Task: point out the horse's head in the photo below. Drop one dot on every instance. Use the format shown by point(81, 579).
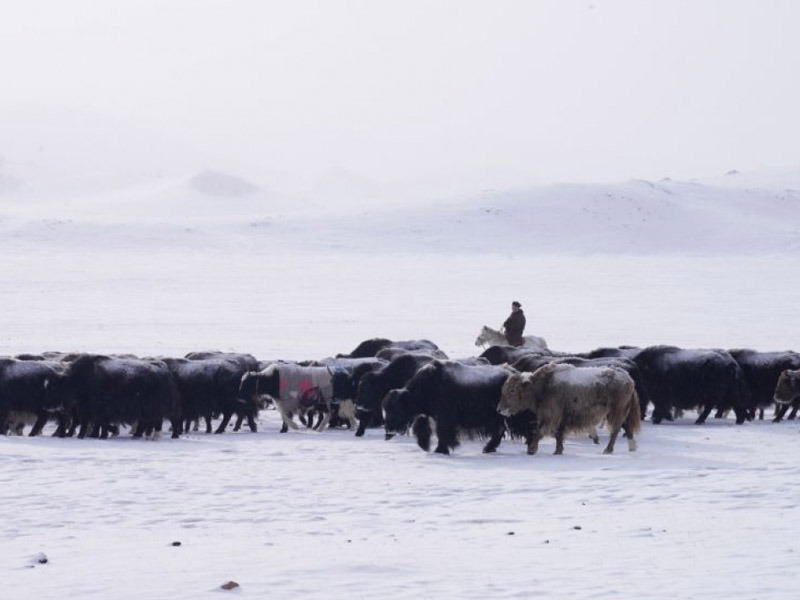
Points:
point(483, 337)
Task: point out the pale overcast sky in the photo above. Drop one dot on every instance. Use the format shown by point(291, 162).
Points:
point(495, 93)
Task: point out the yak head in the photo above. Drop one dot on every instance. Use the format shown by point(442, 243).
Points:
point(516, 395)
point(788, 387)
point(255, 387)
point(368, 393)
point(397, 411)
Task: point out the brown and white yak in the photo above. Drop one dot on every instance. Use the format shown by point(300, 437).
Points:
point(567, 399)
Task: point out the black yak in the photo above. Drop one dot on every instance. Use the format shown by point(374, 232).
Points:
point(460, 399)
point(692, 379)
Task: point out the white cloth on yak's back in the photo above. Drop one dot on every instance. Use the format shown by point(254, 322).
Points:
point(297, 382)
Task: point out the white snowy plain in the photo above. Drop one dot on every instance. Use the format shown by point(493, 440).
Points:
point(697, 512)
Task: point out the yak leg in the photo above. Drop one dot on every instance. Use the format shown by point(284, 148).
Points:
point(347, 412)
point(362, 427)
point(61, 429)
point(41, 419)
point(207, 418)
point(251, 423)
point(593, 435)
point(742, 415)
point(780, 412)
point(613, 440)
point(494, 441)
point(226, 418)
point(239, 420)
point(704, 415)
point(141, 429)
point(533, 442)
point(325, 417)
point(632, 446)
point(661, 412)
point(286, 416)
point(560, 440)
point(446, 439)
point(793, 414)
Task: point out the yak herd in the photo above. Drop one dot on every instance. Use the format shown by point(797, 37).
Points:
point(517, 392)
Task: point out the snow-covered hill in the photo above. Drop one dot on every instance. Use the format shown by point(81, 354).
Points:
point(738, 214)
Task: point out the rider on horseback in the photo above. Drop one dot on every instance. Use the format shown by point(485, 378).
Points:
point(515, 325)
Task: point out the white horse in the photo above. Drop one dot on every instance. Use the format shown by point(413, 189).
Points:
point(493, 337)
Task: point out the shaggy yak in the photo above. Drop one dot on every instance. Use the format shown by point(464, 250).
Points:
point(347, 374)
point(34, 391)
point(373, 387)
point(761, 371)
point(566, 399)
point(209, 387)
point(114, 391)
point(294, 389)
point(392, 352)
point(679, 379)
point(459, 398)
point(533, 361)
point(500, 355)
point(371, 347)
point(787, 389)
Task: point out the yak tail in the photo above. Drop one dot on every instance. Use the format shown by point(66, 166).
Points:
point(422, 430)
point(634, 421)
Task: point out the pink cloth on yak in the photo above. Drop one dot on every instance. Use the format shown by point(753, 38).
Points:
point(299, 383)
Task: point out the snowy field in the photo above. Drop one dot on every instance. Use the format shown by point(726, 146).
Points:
point(696, 512)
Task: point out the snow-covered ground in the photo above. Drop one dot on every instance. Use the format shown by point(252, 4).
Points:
point(213, 261)
point(696, 512)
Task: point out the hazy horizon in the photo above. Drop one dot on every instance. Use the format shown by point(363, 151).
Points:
point(412, 95)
